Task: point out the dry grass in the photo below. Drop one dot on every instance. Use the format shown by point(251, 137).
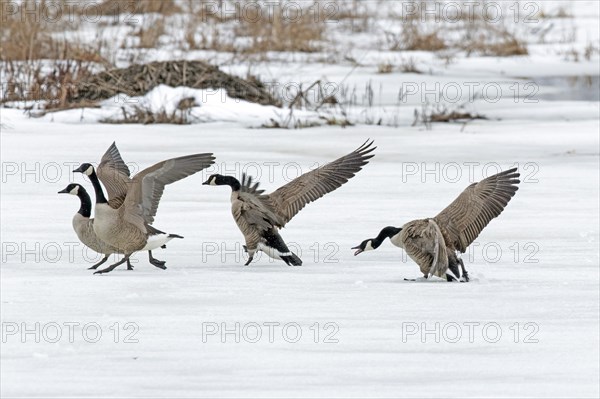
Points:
point(414, 38)
point(560, 12)
point(27, 36)
point(472, 34)
point(26, 82)
point(150, 36)
point(485, 38)
point(354, 14)
point(441, 113)
point(141, 114)
point(117, 7)
point(385, 67)
point(408, 66)
point(278, 32)
point(38, 61)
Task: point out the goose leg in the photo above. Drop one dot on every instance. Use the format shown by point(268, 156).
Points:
point(453, 274)
point(113, 266)
point(158, 263)
point(94, 267)
point(456, 269)
point(465, 275)
point(129, 265)
point(249, 260)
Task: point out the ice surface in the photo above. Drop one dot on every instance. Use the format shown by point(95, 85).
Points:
point(536, 265)
point(365, 296)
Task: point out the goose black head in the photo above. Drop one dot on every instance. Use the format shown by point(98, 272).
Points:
point(73, 189)
point(367, 245)
point(220, 180)
point(215, 180)
point(374, 243)
point(85, 168)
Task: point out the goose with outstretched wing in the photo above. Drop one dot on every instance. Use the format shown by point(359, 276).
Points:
point(434, 243)
point(259, 216)
point(126, 222)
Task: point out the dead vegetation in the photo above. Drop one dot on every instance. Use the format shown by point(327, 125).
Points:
point(118, 7)
point(471, 33)
point(385, 67)
point(72, 84)
point(406, 65)
point(558, 12)
point(141, 114)
point(278, 32)
point(354, 15)
point(149, 36)
point(443, 113)
point(38, 34)
point(139, 79)
point(28, 83)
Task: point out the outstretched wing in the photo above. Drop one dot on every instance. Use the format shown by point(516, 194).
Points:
point(289, 199)
point(465, 218)
point(147, 187)
point(114, 174)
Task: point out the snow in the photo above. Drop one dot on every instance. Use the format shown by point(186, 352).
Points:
point(365, 296)
point(534, 271)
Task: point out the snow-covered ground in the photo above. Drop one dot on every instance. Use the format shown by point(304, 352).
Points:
point(527, 325)
point(545, 275)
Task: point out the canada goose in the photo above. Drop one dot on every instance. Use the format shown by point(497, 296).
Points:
point(84, 228)
point(83, 225)
point(259, 216)
point(128, 225)
point(434, 243)
point(114, 174)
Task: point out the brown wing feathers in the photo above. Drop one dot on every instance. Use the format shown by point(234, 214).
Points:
point(465, 218)
point(114, 174)
point(289, 199)
point(148, 186)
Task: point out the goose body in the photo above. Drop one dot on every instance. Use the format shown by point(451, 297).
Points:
point(84, 228)
point(125, 221)
point(83, 225)
point(260, 216)
point(435, 244)
point(260, 235)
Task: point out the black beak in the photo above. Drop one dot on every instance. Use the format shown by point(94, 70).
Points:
point(79, 169)
point(206, 183)
point(63, 191)
point(358, 250)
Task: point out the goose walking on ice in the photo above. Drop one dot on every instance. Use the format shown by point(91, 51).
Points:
point(125, 221)
point(84, 225)
point(434, 243)
point(259, 216)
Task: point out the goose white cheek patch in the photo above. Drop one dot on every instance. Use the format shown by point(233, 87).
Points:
point(89, 171)
point(74, 191)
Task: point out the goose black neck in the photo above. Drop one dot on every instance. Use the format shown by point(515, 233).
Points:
point(232, 182)
point(386, 232)
point(100, 198)
point(85, 209)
